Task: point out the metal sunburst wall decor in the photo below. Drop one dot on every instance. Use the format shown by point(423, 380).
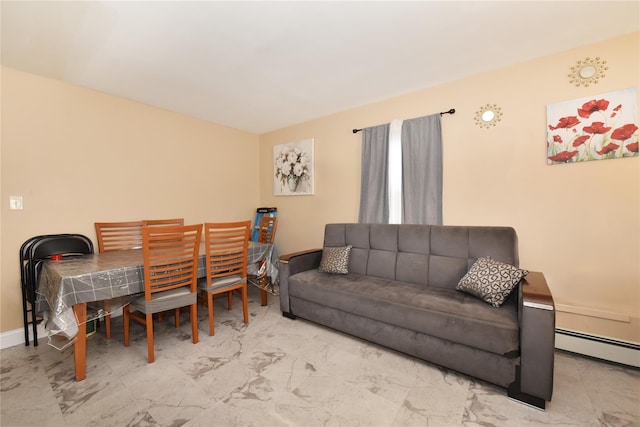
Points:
point(588, 71)
point(488, 116)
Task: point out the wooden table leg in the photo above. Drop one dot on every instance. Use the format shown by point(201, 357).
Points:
point(80, 344)
point(263, 293)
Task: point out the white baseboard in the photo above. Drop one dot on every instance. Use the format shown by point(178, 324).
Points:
point(624, 352)
point(16, 337)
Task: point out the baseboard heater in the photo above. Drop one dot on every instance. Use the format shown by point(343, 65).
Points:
point(623, 352)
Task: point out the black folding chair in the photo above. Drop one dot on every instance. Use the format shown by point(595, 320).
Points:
point(25, 283)
point(32, 252)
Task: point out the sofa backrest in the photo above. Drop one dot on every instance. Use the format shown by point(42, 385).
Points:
point(430, 255)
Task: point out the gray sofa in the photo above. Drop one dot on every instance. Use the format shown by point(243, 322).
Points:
point(400, 292)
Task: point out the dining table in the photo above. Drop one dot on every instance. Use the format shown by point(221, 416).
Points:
point(66, 286)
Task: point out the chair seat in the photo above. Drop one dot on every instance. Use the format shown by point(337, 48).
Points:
point(222, 282)
point(167, 300)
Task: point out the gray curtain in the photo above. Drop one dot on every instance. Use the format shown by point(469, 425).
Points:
point(374, 199)
point(422, 170)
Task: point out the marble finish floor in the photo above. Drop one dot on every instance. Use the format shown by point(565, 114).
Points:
point(281, 372)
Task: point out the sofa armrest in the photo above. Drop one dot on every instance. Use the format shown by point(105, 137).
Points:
point(287, 258)
point(537, 337)
point(536, 293)
point(291, 264)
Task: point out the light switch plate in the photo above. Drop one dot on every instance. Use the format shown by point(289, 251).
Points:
point(15, 203)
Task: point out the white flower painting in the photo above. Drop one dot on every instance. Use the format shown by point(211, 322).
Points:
point(293, 168)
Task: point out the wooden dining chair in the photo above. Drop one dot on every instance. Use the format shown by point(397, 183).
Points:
point(163, 222)
point(267, 230)
point(170, 278)
point(227, 246)
point(117, 236)
point(266, 234)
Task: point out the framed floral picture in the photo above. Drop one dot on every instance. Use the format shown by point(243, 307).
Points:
point(593, 128)
point(293, 168)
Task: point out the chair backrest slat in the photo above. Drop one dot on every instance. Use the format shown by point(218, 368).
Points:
point(163, 222)
point(170, 257)
point(227, 247)
point(267, 230)
point(119, 236)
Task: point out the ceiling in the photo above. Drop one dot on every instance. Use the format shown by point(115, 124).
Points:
point(261, 66)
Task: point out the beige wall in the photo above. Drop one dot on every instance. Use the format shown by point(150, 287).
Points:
point(79, 156)
point(578, 223)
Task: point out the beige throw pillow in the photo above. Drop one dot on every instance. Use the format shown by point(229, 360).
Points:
point(335, 259)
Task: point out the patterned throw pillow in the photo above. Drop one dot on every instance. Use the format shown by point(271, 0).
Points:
point(335, 259)
point(491, 280)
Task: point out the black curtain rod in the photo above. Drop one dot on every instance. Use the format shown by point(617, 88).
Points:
point(451, 111)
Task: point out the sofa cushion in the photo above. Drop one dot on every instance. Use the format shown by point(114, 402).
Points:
point(491, 280)
point(335, 259)
point(443, 313)
point(437, 256)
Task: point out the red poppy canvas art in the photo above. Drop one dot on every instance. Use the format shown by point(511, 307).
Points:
point(593, 128)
